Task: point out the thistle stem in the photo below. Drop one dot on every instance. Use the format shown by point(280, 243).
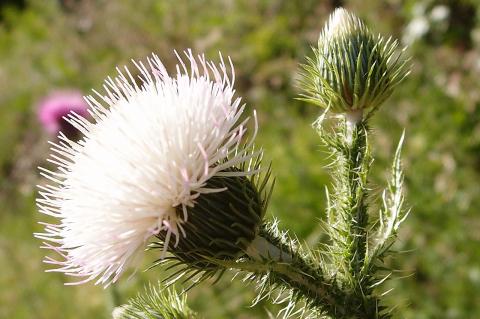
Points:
point(348, 217)
point(348, 214)
point(288, 268)
point(356, 167)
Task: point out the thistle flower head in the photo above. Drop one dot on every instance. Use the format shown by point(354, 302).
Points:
point(54, 107)
point(353, 69)
point(165, 158)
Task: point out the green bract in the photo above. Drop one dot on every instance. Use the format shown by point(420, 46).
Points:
point(352, 69)
point(221, 224)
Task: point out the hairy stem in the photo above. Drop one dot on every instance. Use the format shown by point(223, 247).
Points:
point(347, 213)
point(348, 217)
point(356, 168)
point(288, 268)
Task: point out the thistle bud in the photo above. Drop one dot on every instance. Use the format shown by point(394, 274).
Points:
point(353, 70)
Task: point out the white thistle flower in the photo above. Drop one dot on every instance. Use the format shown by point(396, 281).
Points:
point(143, 163)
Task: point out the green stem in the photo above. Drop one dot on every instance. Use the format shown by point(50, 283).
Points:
point(287, 267)
point(347, 214)
point(348, 218)
point(355, 169)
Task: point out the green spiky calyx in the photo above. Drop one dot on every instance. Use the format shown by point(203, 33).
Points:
point(352, 69)
point(220, 225)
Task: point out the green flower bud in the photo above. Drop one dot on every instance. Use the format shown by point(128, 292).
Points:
point(220, 225)
point(352, 70)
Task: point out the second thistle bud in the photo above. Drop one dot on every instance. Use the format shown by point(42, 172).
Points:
point(353, 69)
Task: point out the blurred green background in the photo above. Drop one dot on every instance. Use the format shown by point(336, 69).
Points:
point(49, 45)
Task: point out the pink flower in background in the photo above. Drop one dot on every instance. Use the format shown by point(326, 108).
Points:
point(55, 106)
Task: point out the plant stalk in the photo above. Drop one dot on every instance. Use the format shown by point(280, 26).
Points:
point(288, 268)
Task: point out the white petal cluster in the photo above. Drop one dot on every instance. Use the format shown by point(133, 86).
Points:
point(148, 154)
